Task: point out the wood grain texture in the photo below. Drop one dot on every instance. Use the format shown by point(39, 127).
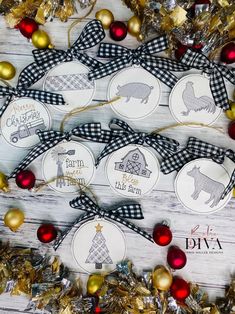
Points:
point(211, 271)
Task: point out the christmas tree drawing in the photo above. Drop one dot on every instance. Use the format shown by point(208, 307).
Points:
point(99, 253)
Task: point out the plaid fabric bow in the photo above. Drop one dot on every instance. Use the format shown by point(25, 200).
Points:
point(163, 145)
point(216, 72)
point(130, 211)
point(198, 149)
point(45, 59)
point(142, 56)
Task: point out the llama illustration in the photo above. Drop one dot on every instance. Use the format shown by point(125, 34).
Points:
point(194, 103)
point(206, 184)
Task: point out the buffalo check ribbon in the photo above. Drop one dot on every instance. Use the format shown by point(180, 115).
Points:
point(143, 56)
point(198, 149)
point(45, 59)
point(119, 214)
point(125, 135)
point(216, 72)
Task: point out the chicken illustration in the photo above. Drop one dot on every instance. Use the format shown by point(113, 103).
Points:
point(194, 103)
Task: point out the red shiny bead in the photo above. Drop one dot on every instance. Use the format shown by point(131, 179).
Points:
point(118, 31)
point(176, 258)
point(27, 27)
point(162, 235)
point(46, 233)
point(25, 179)
point(98, 310)
point(231, 130)
point(180, 289)
point(228, 53)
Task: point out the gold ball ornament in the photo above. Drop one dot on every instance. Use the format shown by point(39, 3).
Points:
point(94, 283)
point(105, 17)
point(7, 70)
point(14, 218)
point(230, 113)
point(162, 278)
point(134, 26)
point(41, 40)
point(3, 183)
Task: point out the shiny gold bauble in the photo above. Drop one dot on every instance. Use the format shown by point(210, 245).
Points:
point(94, 283)
point(7, 70)
point(162, 278)
point(41, 40)
point(105, 17)
point(14, 218)
point(3, 182)
point(134, 26)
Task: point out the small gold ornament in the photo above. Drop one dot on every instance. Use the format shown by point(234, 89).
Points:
point(134, 26)
point(94, 283)
point(105, 17)
point(162, 278)
point(234, 192)
point(14, 218)
point(7, 70)
point(230, 113)
point(40, 39)
point(3, 183)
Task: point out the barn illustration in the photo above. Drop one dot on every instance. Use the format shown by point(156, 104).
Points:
point(134, 162)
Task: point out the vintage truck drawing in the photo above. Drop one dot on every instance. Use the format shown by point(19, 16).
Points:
point(27, 130)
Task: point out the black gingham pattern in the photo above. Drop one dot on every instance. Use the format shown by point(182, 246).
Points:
point(159, 67)
point(216, 72)
point(131, 211)
point(30, 75)
point(163, 145)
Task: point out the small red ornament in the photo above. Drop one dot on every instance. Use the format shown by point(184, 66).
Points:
point(231, 130)
point(180, 289)
point(162, 235)
point(27, 27)
point(25, 179)
point(118, 30)
point(176, 258)
point(46, 233)
point(228, 53)
point(98, 310)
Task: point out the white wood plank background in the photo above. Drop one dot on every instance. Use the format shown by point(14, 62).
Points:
point(211, 271)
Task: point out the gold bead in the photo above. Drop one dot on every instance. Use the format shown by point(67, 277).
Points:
point(94, 283)
point(40, 39)
point(134, 26)
point(230, 113)
point(105, 17)
point(3, 183)
point(162, 278)
point(7, 70)
point(14, 218)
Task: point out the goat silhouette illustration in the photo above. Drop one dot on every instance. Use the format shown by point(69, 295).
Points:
point(206, 184)
point(136, 90)
point(193, 103)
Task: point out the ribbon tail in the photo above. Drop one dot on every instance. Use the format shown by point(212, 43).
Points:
point(176, 161)
point(30, 75)
point(88, 61)
point(45, 97)
point(218, 90)
point(5, 105)
point(230, 186)
point(163, 145)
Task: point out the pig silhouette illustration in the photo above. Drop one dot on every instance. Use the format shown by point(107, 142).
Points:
point(136, 90)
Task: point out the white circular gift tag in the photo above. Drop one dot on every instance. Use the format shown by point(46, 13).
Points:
point(98, 246)
point(71, 81)
point(139, 91)
point(22, 119)
point(191, 100)
point(70, 159)
point(200, 184)
point(132, 171)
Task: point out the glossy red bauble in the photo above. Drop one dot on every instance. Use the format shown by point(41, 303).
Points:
point(176, 258)
point(27, 27)
point(180, 289)
point(228, 53)
point(231, 130)
point(118, 30)
point(46, 233)
point(25, 179)
point(162, 235)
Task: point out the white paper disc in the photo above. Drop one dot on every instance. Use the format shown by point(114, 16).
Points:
point(22, 119)
point(139, 91)
point(70, 159)
point(191, 101)
point(132, 171)
point(98, 246)
point(70, 80)
point(200, 184)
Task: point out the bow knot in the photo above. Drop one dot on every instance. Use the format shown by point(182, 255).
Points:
point(68, 136)
point(141, 137)
point(69, 55)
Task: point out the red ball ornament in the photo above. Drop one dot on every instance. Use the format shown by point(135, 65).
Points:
point(46, 233)
point(176, 258)
point(162, 235)
point(228, 53)
point(25, 179)
point(118, 31)
point(231, 130)
point(180, 289)
point(27, 27)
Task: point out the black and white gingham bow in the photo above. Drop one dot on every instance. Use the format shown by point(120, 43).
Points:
point(217, 73)
point(198, 149)
point(163, 145)
point(83, 202)
point(142, 56)
point(45, 59)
